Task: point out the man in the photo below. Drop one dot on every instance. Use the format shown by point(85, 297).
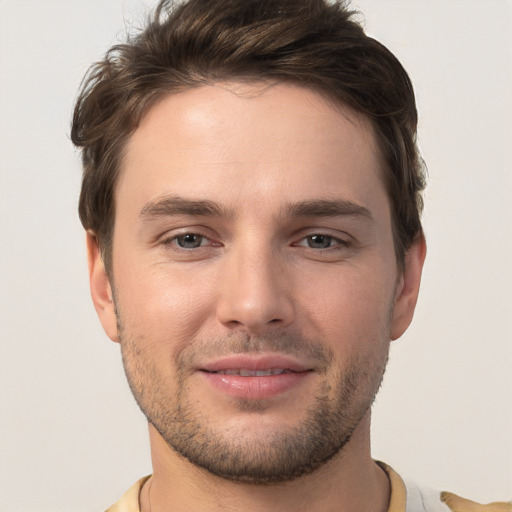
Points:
point(252, 199)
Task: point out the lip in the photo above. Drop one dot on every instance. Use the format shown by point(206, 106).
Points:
point(255, 387)
point(255, 363)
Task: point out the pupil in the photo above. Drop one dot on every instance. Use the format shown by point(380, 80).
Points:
point(189, 241)
point(320, 241)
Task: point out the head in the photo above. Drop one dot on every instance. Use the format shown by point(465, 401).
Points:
point(252, 197)
point(311, 43)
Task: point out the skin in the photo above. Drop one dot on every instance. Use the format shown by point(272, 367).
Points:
point(273, 271)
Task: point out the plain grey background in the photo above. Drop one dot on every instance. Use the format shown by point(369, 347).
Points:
point(71, 436)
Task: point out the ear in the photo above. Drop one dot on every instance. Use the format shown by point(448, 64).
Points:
point(101, 291)
point(408, 287)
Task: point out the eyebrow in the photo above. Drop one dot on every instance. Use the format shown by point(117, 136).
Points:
point(174, 205)
point(328, 208)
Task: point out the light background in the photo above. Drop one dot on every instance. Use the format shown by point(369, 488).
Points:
point(71, 436)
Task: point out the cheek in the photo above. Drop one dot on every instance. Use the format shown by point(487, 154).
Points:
point(163, 306)
point(351, 307)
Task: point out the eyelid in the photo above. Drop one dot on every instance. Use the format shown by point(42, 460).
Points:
point(170, 237)
point(338, 242)
point(342, 237)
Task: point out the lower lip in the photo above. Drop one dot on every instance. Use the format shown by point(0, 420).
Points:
point(255, 388)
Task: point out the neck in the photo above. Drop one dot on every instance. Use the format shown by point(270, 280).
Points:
point(349, 481)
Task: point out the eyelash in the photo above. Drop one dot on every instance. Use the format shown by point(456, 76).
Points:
point(334, 242)
point(174, 241)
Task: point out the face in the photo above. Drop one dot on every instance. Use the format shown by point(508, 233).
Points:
point(255, 283)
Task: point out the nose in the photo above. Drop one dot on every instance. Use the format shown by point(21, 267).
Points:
point(256, 294)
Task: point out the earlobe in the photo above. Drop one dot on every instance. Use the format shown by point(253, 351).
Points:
point(408, 287)
point(101, 290)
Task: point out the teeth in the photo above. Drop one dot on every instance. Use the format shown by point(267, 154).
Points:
point(253, 373)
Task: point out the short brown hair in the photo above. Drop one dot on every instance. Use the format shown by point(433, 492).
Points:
point(314, 43)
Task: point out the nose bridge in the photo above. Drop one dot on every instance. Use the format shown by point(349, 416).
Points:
point(255, 292)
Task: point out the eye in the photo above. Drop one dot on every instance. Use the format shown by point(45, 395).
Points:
point(320, 241)
point(188, 241)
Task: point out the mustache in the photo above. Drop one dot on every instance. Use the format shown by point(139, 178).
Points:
point(243, 343)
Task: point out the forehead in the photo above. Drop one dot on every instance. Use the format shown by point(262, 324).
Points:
point(259, 140)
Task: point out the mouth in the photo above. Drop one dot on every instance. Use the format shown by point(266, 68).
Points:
point(242, 372)
point(256, 365)
point(255, 377)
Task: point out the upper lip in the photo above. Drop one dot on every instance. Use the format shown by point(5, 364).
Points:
point(255, 362)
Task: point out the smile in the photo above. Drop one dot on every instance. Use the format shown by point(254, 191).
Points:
point(242, 372)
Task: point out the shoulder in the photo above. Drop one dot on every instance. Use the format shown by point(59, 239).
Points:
point(428, 500)
point(457, 504)
point(409, 497)
point(129, 502)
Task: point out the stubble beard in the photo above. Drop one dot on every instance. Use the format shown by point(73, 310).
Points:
point(277, 456)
